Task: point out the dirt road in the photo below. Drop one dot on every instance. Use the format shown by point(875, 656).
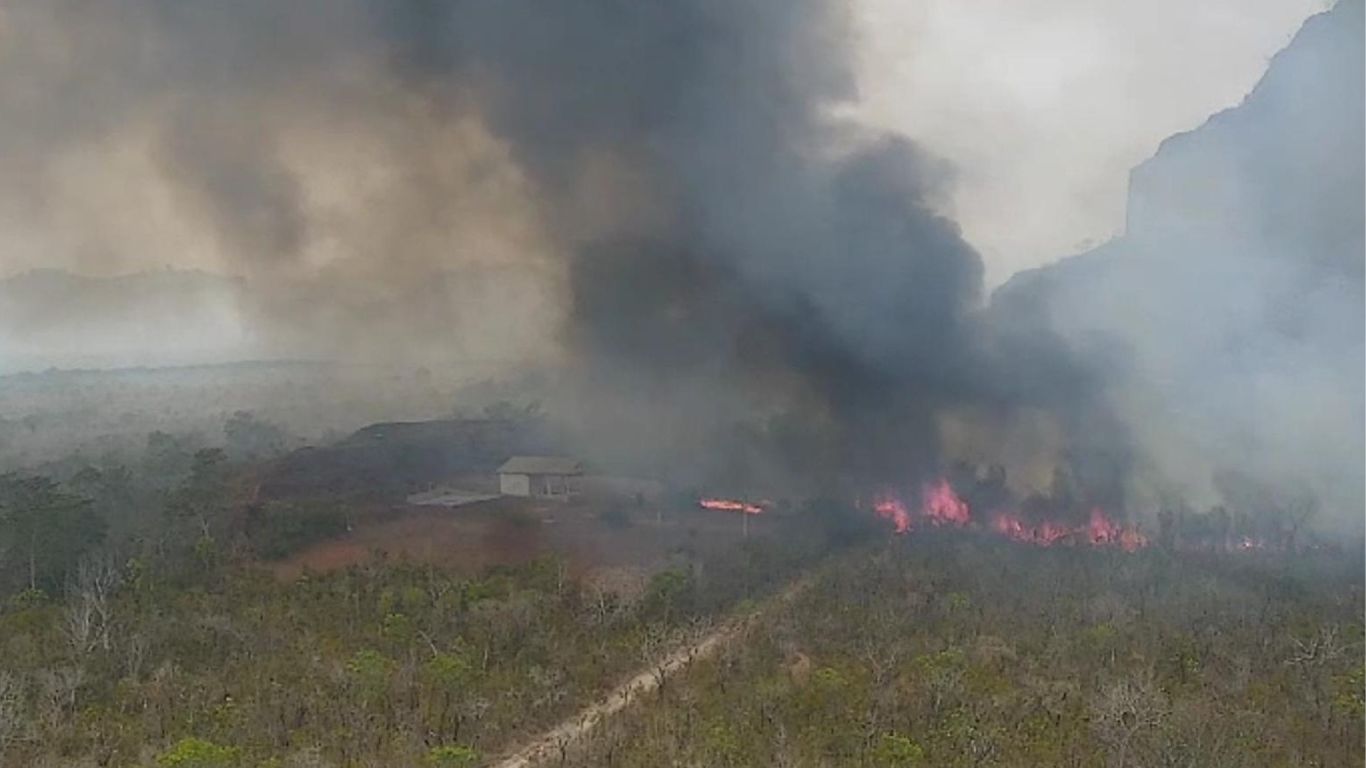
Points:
point(563, 738)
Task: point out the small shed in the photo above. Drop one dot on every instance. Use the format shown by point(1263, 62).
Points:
point(553, 477)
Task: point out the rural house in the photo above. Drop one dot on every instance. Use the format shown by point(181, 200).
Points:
point(554, 477)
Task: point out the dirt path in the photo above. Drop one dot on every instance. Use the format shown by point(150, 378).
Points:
point(564, 737)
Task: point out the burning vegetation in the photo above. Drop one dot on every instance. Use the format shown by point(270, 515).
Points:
point(734, 505)
point(941, 507)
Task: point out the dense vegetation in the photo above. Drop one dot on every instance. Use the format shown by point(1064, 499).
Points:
point(136, 631)
point(100, 414)
point(963, 651)
point(186, 659)
point(367, 667)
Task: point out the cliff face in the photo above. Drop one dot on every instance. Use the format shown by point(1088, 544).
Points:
point(1234, 300)
point(1283, 169)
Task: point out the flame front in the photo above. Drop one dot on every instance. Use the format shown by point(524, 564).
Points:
point(890, 508)
point(731, 505)
point(1102, 531)
point(1045, 534)
point(942, 506)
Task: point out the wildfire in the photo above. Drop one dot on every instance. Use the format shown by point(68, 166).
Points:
point(939, 506)
point(1099, 531)
point(1102, 531)
point(942, 506)
point(890, 508)
point(732, 505)
point(1045, 534)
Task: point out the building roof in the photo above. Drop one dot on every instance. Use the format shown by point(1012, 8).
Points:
point(540, 465)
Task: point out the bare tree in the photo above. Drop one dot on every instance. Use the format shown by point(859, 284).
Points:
point(602, 603)
point(78, 624)
point(1125, 711)
point(1313, 658)
point(12, 721)
point(57, 690)
point(1318, 650)
point(654, 645)
point(692, 635)
point(135, 648)
point(88, 616)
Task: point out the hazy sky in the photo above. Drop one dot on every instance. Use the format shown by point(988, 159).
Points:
point(1044, 106)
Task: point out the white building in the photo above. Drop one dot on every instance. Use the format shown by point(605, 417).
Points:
point(553, 477)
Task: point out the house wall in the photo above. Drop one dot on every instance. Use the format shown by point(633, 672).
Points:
point(514, 485)
point(542, 486)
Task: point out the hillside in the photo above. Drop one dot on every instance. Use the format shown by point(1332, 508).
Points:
point(1235, 295)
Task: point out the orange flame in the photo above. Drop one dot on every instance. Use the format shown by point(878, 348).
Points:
point(944, 507)
point(1102, 531)
point(889, 507)
point(1046, 534)
point(731, 505)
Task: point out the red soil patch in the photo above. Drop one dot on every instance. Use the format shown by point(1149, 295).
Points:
point(511, 531)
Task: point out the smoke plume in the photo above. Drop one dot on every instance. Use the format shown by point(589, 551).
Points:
point(1232, 307)
point(664, 187)
point(659, 198)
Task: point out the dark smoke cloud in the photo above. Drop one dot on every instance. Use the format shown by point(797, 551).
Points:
point(658, 194)
point(719, 246)
point(775, 243)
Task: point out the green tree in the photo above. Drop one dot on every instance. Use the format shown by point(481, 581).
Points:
point(198, 753)
point(249, 437)
point(667, 593)
point(198, 509)
point(117, 497)
point(169, 458)
point(371, 671)
point(452, 756)
point(451, 678)
point(45, 528)
point(898, 751)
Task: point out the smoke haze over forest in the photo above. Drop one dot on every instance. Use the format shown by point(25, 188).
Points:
point(669, 206)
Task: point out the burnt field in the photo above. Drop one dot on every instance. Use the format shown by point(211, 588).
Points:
point(587, 536)
point(357, 501)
